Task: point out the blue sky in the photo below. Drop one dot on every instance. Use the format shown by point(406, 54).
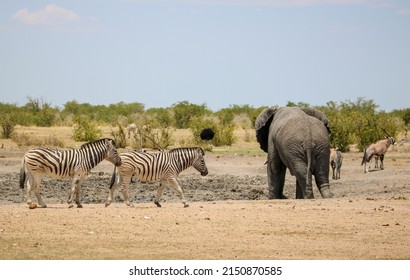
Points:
point(217, 52)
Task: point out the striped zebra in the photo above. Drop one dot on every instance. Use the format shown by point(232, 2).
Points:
point(64, 164)
point(162, 166)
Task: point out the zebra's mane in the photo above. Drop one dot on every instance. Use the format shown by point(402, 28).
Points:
point(83, 146)
point(175, 150)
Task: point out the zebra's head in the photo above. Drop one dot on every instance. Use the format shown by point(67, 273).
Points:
point(112, 154)
point(199, 163)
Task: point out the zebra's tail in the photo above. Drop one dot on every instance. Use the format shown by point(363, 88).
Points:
point(113, 178)
point(22, 174)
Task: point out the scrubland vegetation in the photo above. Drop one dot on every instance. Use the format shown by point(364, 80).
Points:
point(352, 122)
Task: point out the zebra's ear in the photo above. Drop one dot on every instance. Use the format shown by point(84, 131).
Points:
point(201, 150)
point(110, 141)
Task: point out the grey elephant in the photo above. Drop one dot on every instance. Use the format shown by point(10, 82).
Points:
point(298, 139)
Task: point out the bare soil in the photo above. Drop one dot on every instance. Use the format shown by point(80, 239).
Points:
point(229, 215)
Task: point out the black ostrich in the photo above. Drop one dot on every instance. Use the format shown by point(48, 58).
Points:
point(207, 134)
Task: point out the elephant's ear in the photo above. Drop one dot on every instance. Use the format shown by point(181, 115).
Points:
point(318, 115)
point(262, 124)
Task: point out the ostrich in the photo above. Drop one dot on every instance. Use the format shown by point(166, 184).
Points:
point(207, 134)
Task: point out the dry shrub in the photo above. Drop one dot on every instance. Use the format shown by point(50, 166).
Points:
point(27, 140)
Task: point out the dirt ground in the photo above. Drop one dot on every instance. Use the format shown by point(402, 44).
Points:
point(229, 215)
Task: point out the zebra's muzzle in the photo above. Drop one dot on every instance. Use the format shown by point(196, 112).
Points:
point(204, 172)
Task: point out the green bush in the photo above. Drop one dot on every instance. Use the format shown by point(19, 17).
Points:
point(85, 129)
point(148, 137)
point(7, 125)
point(184, 112)
point(224, 134)
point(358, 122)
point(119, 137)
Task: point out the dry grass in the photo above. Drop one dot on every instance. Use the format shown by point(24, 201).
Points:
point(62, 136)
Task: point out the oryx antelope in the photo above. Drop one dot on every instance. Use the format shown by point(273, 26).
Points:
point(162, 166)
point(377, 149)
point(64, 164)
point(336, 160)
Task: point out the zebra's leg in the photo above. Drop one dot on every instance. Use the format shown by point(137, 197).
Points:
point(73, 189)
point(159, 194)
point(174, 183)
point(29, 190)
point(124, 188)
point(36, 186)
point(78, 193)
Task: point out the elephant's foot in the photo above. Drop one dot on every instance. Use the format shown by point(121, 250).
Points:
point(280, 196)
point(325, 191)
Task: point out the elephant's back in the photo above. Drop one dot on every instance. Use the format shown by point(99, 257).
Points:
point(301, 133)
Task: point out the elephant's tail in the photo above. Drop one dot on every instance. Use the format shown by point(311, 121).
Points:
point(309, 188)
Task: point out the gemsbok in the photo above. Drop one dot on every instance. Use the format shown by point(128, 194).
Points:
point(377, 149)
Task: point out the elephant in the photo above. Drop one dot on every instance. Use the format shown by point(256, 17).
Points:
point(297, 139)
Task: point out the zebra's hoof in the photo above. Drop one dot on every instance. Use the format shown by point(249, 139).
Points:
point(157, 204)
point(32, 206)
point(186, 205)
point(79, 206)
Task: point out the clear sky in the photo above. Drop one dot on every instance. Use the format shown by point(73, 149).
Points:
point(217, 52)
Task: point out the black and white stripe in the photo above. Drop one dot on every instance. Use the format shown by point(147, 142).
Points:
point(162, 166)
point(64, 164)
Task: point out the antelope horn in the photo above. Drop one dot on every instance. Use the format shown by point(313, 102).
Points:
point(385, 131)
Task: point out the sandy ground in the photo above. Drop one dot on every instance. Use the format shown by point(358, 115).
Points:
point(229, 216)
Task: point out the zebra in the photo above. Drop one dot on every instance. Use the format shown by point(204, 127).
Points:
point(336, 160)
point(377, 149)
point(162, 166)
point(131, 128)
point(63, 164)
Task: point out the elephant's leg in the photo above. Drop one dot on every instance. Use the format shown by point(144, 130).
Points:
point(324, 187)
point(303, 179)
point(276, 179)
point(299, 190)
point(304, 187)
